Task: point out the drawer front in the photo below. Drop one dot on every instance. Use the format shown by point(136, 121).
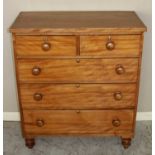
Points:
point(86, 71)
point(77, 96)
point(114, 46)
point(45, 46)
point(81, 122)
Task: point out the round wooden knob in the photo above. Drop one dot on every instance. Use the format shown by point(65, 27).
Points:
point(77, 111)
point(77, 85)
point(78, 60)
point(36, 71)
point(118, 96)
point(116, 122)
point(46, 46)
point(37, 96)
point(110, 45)
point(120, 69)
point(40, 123)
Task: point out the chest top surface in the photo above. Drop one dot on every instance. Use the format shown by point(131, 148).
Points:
point(101, 22)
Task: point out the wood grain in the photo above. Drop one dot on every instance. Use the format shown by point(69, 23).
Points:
point(125, 46)
point(77, 96)
point(70, 121)
point(18, 85)
point(138, 82)
point(86, 71)
point(71, 23)
point(71, 88)
point(32, 45)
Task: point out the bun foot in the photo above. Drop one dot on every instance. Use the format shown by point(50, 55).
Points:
point(126, 142)
point(29, 142)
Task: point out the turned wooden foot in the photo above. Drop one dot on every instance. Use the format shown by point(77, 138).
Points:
point(126, 142)
point(29, 142)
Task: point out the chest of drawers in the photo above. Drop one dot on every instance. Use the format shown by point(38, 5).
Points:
point(78, 73)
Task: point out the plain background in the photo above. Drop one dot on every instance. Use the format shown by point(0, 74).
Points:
point(12, 7)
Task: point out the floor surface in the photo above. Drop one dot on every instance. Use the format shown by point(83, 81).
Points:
point(14, 143)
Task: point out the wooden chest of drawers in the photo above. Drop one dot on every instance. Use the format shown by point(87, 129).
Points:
point(78, 73)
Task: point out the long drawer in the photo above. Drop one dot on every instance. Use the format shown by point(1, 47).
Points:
point(77, 96)
point(83, 71)
point(82, 122)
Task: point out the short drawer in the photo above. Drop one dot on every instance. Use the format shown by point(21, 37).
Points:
point(82, 122)
point(85, 71)
point(110, 46)
point(28, 46)
point(77, 96)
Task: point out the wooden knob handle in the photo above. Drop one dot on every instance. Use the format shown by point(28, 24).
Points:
point(40, 123)
point(78, 60)
point(46, 46)
point(77, 111)
point(77, 85)
point(119, 69)
point(37, 96)
point(110, 45)
point(116, 122)
point(118, 96)
point(36, 71)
